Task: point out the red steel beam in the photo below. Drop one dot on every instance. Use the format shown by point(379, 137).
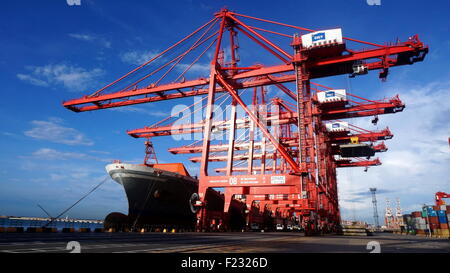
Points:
point(363, 110)
point(219, 158)
point(209, 108)
point(410, 50)
point(362, 137)
point(362, 163)
point(380, 147)
point(370, 109)
point(224, 147)
point(258, 122)
point(260, 36)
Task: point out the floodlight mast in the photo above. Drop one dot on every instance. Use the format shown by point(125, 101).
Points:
point(375, 207)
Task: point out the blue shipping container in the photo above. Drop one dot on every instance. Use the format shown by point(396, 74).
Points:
point(431, 212)
point(441, 213)
point(442, 216)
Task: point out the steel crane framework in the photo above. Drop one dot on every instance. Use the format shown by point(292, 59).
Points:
point(287, 160)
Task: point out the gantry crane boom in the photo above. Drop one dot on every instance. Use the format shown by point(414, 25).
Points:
point(341, 163)
point(392, 106)
point(362, 163)
point(404, 53)
point(293, 142)
point(362, 110)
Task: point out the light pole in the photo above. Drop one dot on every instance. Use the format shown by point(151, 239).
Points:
point(375, 209)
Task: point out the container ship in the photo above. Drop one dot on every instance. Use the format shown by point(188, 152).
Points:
point(164, 195)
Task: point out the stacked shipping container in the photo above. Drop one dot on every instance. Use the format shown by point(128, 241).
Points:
point(432, 220)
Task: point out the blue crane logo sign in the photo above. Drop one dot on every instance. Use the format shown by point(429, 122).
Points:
point(374, 2)
point(318, 36)
point(73, 2)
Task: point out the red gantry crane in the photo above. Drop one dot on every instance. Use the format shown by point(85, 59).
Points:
point(279, 155)
point(439, 196)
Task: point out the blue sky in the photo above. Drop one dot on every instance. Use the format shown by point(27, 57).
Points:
point(51, 52)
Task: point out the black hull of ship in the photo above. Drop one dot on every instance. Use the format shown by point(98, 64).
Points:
point(165, 200)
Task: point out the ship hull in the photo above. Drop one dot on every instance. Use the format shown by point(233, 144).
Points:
point(161, 198)
point(155, 197)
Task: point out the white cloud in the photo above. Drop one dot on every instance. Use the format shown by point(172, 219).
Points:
point(195, 68)
point(83, 37)
point(71, 77)
point(417, 163)
point(137, 57)
point(52, 154)
point(100, 152)
point(107, 44)
point(133, 109)
point(33, 81)
point(8, 134)
point(57, 177)
point(91, 38)
point(53, 131)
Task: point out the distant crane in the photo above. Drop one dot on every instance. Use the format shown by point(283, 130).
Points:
point(399, 214)
point(388, 216)
point(439, 196)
